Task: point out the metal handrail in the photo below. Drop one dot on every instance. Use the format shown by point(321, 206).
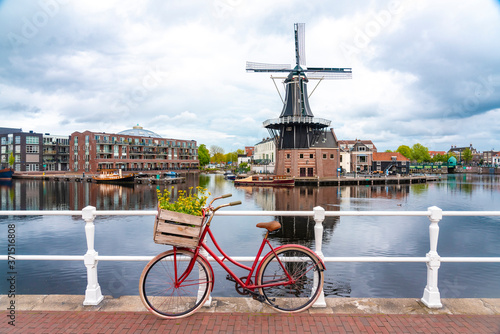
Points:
point(431, 296)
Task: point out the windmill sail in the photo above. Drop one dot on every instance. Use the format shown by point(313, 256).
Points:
point(300, 44)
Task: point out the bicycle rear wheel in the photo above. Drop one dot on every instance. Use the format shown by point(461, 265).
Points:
point(306, 271)
point(158, 290)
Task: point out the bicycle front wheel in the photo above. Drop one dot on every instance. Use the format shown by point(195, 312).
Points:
point(161, 292)
point(296, 278)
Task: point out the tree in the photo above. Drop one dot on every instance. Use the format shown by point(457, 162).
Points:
point(214, 149)
point(232, 156)
point(218, 158)
point(467, 155)
point(420, 153)
point(203, 155)
point(11, 159)
point(405, 151)
point(440, 158)
point(388, 151)
point(217, 154)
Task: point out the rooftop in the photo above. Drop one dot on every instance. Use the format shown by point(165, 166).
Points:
point(139, 131)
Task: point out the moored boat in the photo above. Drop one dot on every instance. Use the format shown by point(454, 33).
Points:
point(265, 181)
point(113, 176)
point(230, 176)
point(6, 173)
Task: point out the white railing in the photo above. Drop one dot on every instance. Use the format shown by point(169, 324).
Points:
point(431, 296)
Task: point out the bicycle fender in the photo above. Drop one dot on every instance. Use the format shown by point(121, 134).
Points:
point(322, 264)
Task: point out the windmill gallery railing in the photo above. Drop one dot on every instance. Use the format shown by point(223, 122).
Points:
point(93, 296)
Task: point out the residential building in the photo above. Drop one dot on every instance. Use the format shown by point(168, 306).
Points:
point(360, 154)
point(458, 151)
point(249, 150)
point(134, 149)
point(496, 160)
point(345, 160)
point(55, 152)
point(26, 148)
point(264, 156)
point(390, 163)
point(488, 156)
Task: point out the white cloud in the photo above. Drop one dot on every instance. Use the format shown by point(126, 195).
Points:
point(422, 71)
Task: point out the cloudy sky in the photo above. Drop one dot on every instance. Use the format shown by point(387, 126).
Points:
point(423, 71)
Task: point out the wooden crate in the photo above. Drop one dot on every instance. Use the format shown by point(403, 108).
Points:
point(177, 229)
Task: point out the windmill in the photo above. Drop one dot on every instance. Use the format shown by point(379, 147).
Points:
point(297, 127)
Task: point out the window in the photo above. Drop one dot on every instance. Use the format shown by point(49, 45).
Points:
point(340, 158)
point(18, 140)
point(331, 156)
point(288, 170)
point(379, 163)
point(362, 148)
point(324, 155)
point(288, 155)
point(301, 156)
point(311, 156)
point(362, 159)
point(394, 158)
point(4, 149)
point(18, 148)
point(32, 167)
point(32, 149)
point(4, 140)
point(32, 140)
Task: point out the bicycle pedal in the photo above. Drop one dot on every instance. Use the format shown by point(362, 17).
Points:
point(259, 298)
point(230, 278)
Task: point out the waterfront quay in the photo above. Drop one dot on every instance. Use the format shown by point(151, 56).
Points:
point(365, 180)
point(154, 177)
point(144, 177)
point(66, 314)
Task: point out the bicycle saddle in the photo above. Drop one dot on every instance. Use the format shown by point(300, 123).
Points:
point(270, 226)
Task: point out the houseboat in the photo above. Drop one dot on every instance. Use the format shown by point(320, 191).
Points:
point(6, 173)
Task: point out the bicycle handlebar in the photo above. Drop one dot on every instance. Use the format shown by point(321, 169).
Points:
point(209, 208)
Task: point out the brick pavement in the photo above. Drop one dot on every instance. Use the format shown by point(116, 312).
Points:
point(96, 322)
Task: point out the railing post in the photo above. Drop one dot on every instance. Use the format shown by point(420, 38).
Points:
point(93, 295)
point(203, 252)
point(432, 297)
point(319, 217)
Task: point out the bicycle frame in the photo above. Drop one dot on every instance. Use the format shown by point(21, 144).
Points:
point(208, 215)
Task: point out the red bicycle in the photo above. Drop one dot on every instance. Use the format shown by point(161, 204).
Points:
point(176, 283)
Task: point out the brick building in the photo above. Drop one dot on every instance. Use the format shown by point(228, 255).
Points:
point(135, 149)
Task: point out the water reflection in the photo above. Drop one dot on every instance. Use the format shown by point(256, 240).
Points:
point(345, 236)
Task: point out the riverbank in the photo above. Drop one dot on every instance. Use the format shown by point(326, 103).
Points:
point(74, 303)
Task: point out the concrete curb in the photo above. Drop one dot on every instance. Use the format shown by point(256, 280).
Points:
point(464, 306)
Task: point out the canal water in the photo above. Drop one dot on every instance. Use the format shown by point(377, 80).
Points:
point(344, 236)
